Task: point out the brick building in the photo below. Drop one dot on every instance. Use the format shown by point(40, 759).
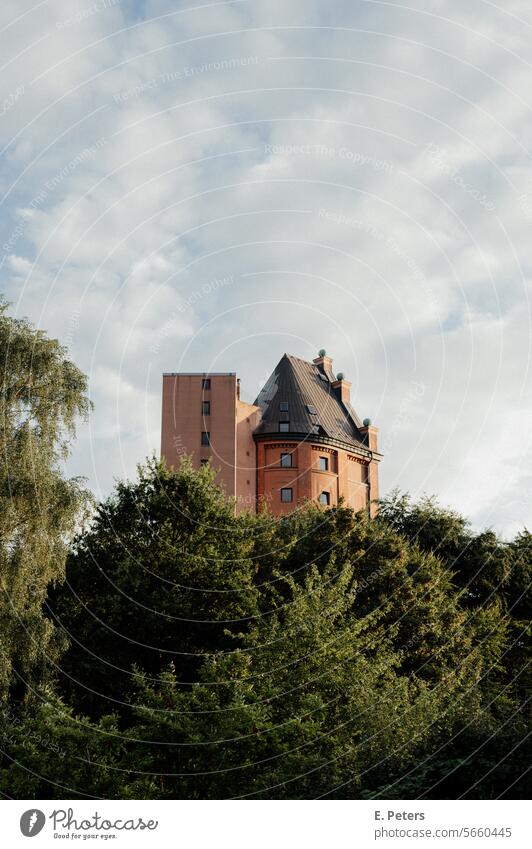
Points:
point(300, 440)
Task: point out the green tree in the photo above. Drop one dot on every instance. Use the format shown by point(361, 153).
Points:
point(479, 563)
point(163, 572)
point(42, 394)
point(343, 659)
point(310, 703)
point(321, 654)
point(408, 587)
point(50, 753)
point(488, 755)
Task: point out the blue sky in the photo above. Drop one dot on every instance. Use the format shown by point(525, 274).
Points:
point(206, 187)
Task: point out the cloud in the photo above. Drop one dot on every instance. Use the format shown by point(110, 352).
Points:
point(357, 175)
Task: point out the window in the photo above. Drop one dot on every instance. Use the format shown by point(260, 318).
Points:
point(315, 429)
point(206, 383)
point(205, 437)
point(206, 408)
point(286, 495)
point(286, 461)
point(325, 498)
point(204, 462)
point(283, 406)
point(284, 427)
point(324, 464)
point(312, 410)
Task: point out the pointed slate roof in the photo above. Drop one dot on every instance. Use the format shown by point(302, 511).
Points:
point(307, 387)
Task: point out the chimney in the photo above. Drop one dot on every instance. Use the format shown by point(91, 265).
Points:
point(369, 434)
point(324, 363)
point(342, 387)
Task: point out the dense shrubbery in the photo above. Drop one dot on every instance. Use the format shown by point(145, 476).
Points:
point(186, 653)
point(41, 395)
point(318, 655)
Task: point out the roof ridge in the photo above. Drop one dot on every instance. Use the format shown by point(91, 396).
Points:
point(295, 381)
point(300, 360)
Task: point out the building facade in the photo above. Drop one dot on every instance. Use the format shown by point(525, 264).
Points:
point(301, 440)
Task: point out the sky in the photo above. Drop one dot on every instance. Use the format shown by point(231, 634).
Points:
point(204, 187)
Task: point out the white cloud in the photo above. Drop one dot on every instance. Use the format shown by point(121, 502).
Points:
point(138, 172)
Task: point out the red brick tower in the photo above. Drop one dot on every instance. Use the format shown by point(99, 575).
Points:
point(300, 441)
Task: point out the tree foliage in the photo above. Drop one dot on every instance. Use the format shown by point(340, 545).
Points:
point(175, 650)
point(41, 396)
point(320, 655)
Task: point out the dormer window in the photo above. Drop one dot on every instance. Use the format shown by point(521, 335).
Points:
point(284, 427)
point(312, 410)
point(283, 406)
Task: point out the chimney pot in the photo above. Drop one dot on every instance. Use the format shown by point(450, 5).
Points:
point(342, 388)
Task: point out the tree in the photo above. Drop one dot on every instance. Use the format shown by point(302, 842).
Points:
point(50, 753)
point(479, 563)
point(309, 704)
point(408, 587)
point(488, 756)
point(42, 394)
point(321, 654)
point(159, 577)
point(323, 646)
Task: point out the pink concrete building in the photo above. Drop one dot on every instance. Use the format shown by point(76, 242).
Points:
point(301, 440)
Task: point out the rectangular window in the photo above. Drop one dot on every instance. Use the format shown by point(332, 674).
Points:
point(325, 498)
point(324, 464)
point(206, 408)
point(204, 462)
point(205, 437)
point(286, 461)
point(283, 406)
point(206, 383)
point(286, 495)
point(284, 427)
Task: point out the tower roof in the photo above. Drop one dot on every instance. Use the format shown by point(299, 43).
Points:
point(314, 407)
